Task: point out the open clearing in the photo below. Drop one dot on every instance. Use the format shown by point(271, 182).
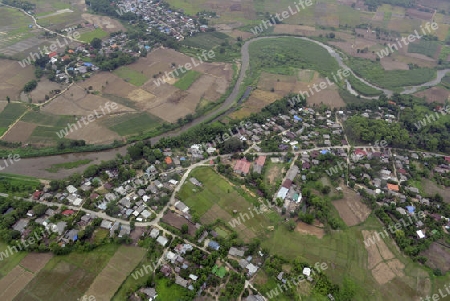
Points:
point(116, 271)
point(438, 257)
point(13, 78)
point(304, 228)
point(381, 260)
point(351, 209)
point(218, 198)
point(18, 278)
point(435, 94)
point(67, 277)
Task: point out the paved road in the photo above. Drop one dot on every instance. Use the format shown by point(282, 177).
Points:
point(36, 167)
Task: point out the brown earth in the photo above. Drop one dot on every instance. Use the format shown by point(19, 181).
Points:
point(13, 77)
point(20, 132)
point(304, 228)
point(351, 209)
point(438, 257)
point(178, 221)
point(434, 94)
point(106, 23)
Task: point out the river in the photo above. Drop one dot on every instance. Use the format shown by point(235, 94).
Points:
point(36, 167)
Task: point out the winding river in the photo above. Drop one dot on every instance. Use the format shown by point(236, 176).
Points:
point(36, 167)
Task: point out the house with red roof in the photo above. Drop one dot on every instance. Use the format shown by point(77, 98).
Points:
point(168, 160)
point(52, 54)
point(67, 212)
point(36, 195)
point(242, 166)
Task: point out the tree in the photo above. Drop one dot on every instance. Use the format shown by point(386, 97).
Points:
point(331, 35)
point(8, 99)
point(96, 43)
point(184, 229)
point(291, 225)
point(30, 86)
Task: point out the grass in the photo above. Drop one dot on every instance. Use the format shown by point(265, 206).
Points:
point(169, 292)
point(207, 40)
point(393, 79)
point(362, 88)
point(131, 124)
point(10, 114)
point(187, 79)
point(68, 277)
point(7, 264)
point(217, 191)
point(68, 165)
point(96, 33)
point(346, 256)
point(428, 48)
point(15, 184)
point(17, 26)
point(287, 55)
point(131, 76)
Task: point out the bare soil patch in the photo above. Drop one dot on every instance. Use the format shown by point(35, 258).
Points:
point(438, 257)
point(106, 23)
point(434, 94)
point(351, 209)
point(304, 228)
point(13, 77)
point(178, 221)
point(20, 132)
point(390, 63)
point(34, 262)
point(94, 133)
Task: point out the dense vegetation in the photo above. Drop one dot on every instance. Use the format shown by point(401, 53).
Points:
point(374, 73)
point(373, 4)
point(286, 55)
point(408, 132)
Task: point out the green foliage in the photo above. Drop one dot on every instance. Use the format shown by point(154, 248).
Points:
point(286, 55)
point(393, 79)
point(187, 79)
point(30, 86)
point(428, 48)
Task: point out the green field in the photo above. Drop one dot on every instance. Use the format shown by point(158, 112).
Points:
point(7, 264)
point(206, 41)
point(48, 126)
point(428, 48)
point(131, 124)
point(96, 33)
point(131, 76)
point(67, 277)
point(362, 88)
point(16, 183)
point(287, 55)
point(217, 191)
point(374, 73)
point(187, 79)
point(17, 24)
point(10, 114)
point(346, 256)
point(68, 165)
